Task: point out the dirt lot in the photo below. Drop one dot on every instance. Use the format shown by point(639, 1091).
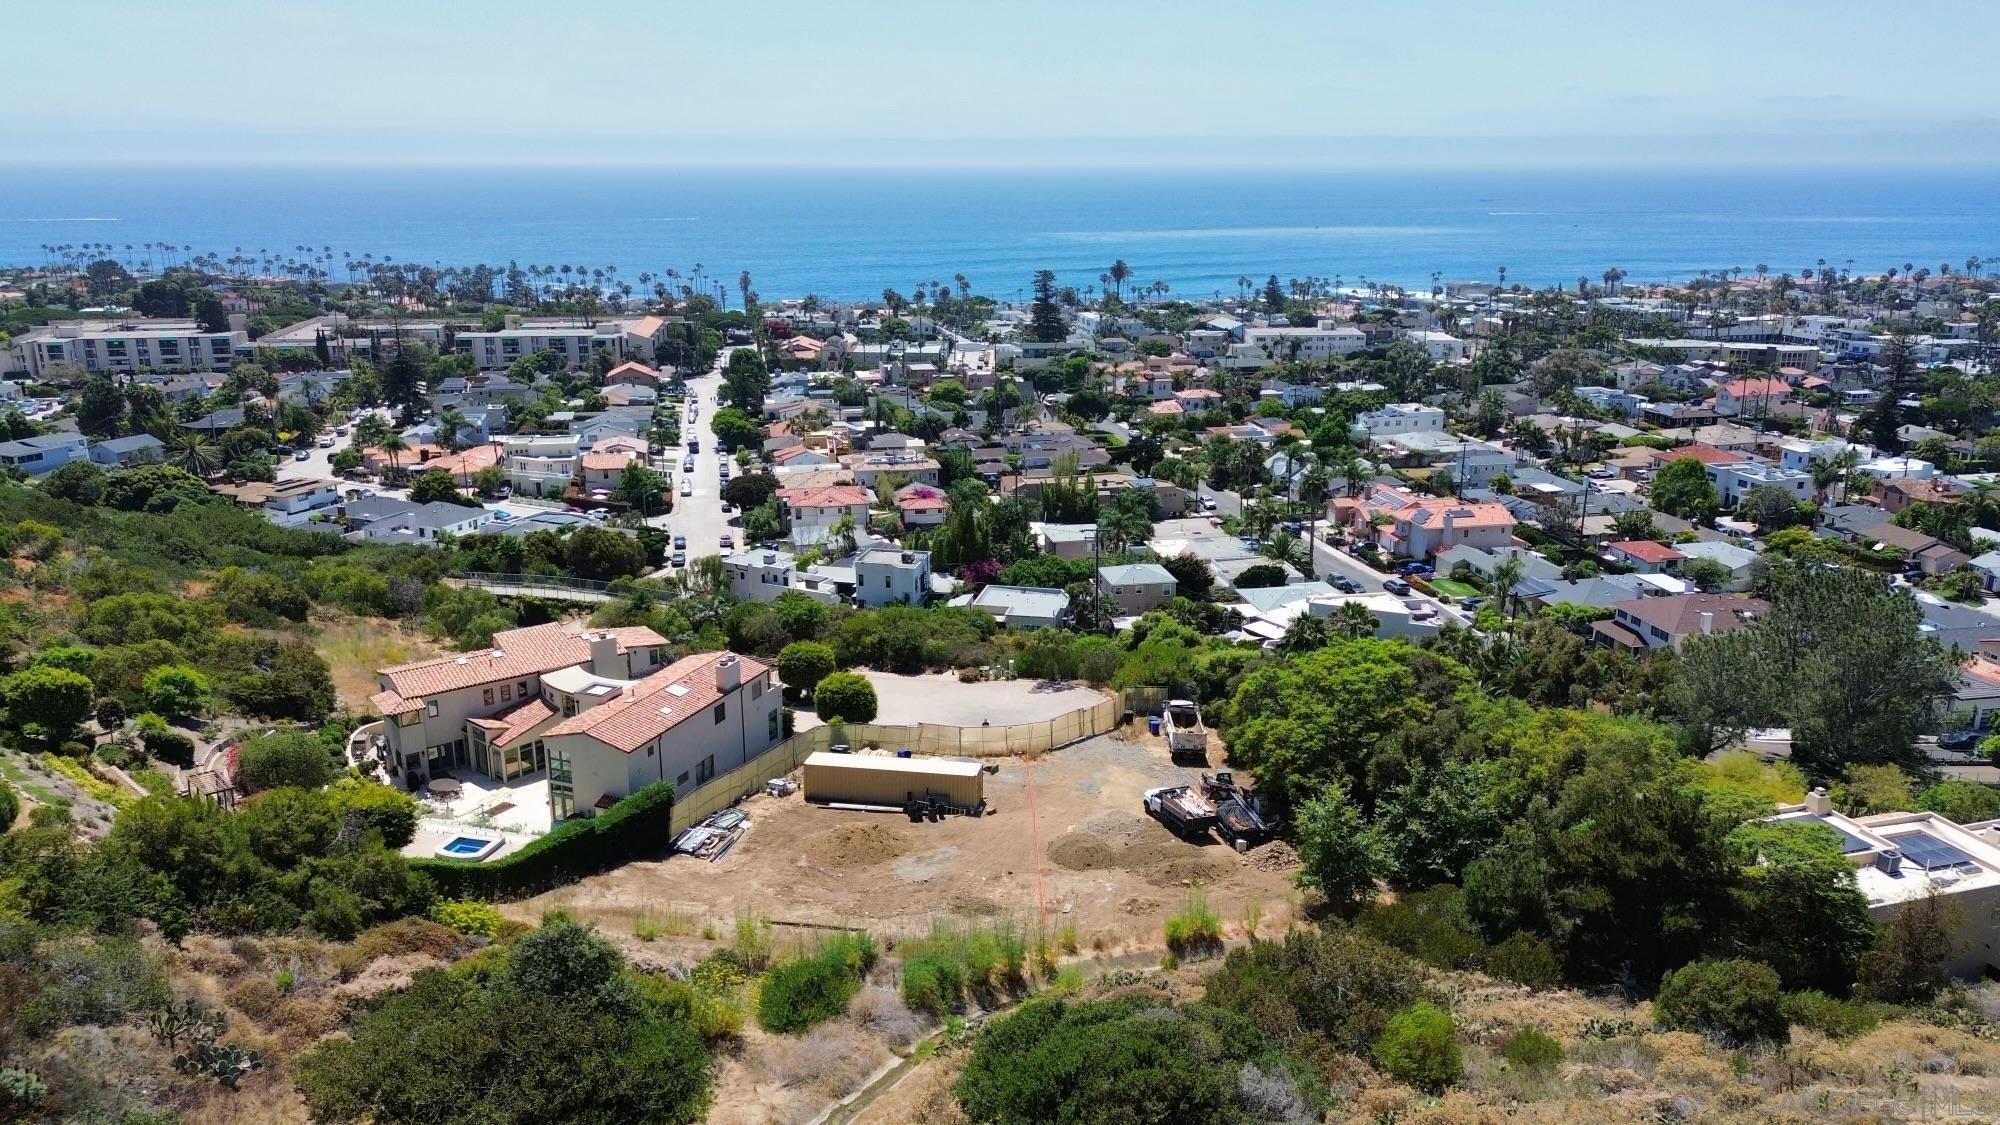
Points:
point(1066, 845)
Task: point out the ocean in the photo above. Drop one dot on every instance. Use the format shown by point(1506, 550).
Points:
point(842, 233)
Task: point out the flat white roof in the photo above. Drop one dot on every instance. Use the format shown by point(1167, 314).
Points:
point(952, 767)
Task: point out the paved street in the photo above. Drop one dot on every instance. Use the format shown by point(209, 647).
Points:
point(699, 517)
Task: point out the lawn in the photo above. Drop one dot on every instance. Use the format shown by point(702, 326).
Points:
point(1453, 588)
point(354, 647)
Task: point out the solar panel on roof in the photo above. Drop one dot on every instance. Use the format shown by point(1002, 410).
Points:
point(1849, 842)
point(1929, 852)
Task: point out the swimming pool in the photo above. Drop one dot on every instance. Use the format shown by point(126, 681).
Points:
point(468, 847)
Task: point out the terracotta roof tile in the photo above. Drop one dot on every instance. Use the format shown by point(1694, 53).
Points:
point(515, 653)
point(651, 708)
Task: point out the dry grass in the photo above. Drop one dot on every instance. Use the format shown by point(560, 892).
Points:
point(354, 647)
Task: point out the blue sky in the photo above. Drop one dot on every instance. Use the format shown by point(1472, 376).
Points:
point(1022, 83)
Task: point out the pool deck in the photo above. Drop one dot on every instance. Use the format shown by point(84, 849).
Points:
point(434, 834)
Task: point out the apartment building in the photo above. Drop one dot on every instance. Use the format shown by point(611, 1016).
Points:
point(1261, 347)
point(574, 342)
point(1399, 418)
point(429, 707)
point(700, 717)
point(541, 465)
point(108, 347)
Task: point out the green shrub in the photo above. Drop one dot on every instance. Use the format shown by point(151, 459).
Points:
point(1429, 925)
point(803, 664)
point(800, 994)
point(284, 758)
point(933, 981)
point(163, 741)
point(636, 827)
point(1830, 1016)
point(1735, 1002)
point(847, 696)
point(1132, 1059)
point(1524, 959)
point(1196, 931)
point(467, 916)
point(1335, 984)
point(1531, 1048)
point(1420, 1047)
point(937, 971)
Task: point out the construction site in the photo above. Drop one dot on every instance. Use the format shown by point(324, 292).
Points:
point(1063, 841)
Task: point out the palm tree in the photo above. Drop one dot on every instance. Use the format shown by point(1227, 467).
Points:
point(452, 424)
point(394, 444)
point(191, 450)
point(1312, 492)
point(1353, 621)
point(1505, 576)
point(1309, 632)
point(1118, 275)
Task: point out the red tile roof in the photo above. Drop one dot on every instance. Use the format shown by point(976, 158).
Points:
point(1647, 551)
point(832, 496)
point(515, 653)
point(606, 461)
point(652, 707)
point(520, 721)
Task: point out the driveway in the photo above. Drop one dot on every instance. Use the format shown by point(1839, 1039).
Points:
point(941, 698)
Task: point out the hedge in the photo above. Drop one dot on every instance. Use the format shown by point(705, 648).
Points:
point(638, 826)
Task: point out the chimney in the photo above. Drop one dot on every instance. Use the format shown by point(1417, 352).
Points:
point(1707, 621)
point(728, 674)
point(1817, 802)
point(604, 659)
point(909, 558)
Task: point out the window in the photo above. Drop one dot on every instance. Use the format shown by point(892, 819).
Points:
point(431, 708)
point(721, 711)
point(506, 693)
point(521, 689)
point(757, 688)
point(569, 705)
point(486, 697)
point(773, 724)
point(683, 779)
point(705, 770)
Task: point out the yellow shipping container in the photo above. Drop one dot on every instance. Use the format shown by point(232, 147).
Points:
point(870, 779)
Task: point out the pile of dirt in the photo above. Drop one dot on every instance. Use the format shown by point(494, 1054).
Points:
point(857, 845)
point(972, 906)
point(1117, 829)
point(1139, 904)
point(1081, 851)
point(1275, 856)
point(1185, 871)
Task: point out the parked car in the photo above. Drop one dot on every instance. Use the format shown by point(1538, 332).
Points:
point(680, 542)
point(1345, 584)
point(680, 558)
point(1416, 569)
point(1471, 603)
point(729, 542)
point(1396, 586)
point(1959, 740)
point(687, 487)
point(302, 455)
point(326, 443)
point(1208, 503)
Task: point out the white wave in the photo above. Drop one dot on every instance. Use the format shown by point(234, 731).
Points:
point(1248, 232)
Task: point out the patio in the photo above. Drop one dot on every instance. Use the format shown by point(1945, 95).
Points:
point(520, 806)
